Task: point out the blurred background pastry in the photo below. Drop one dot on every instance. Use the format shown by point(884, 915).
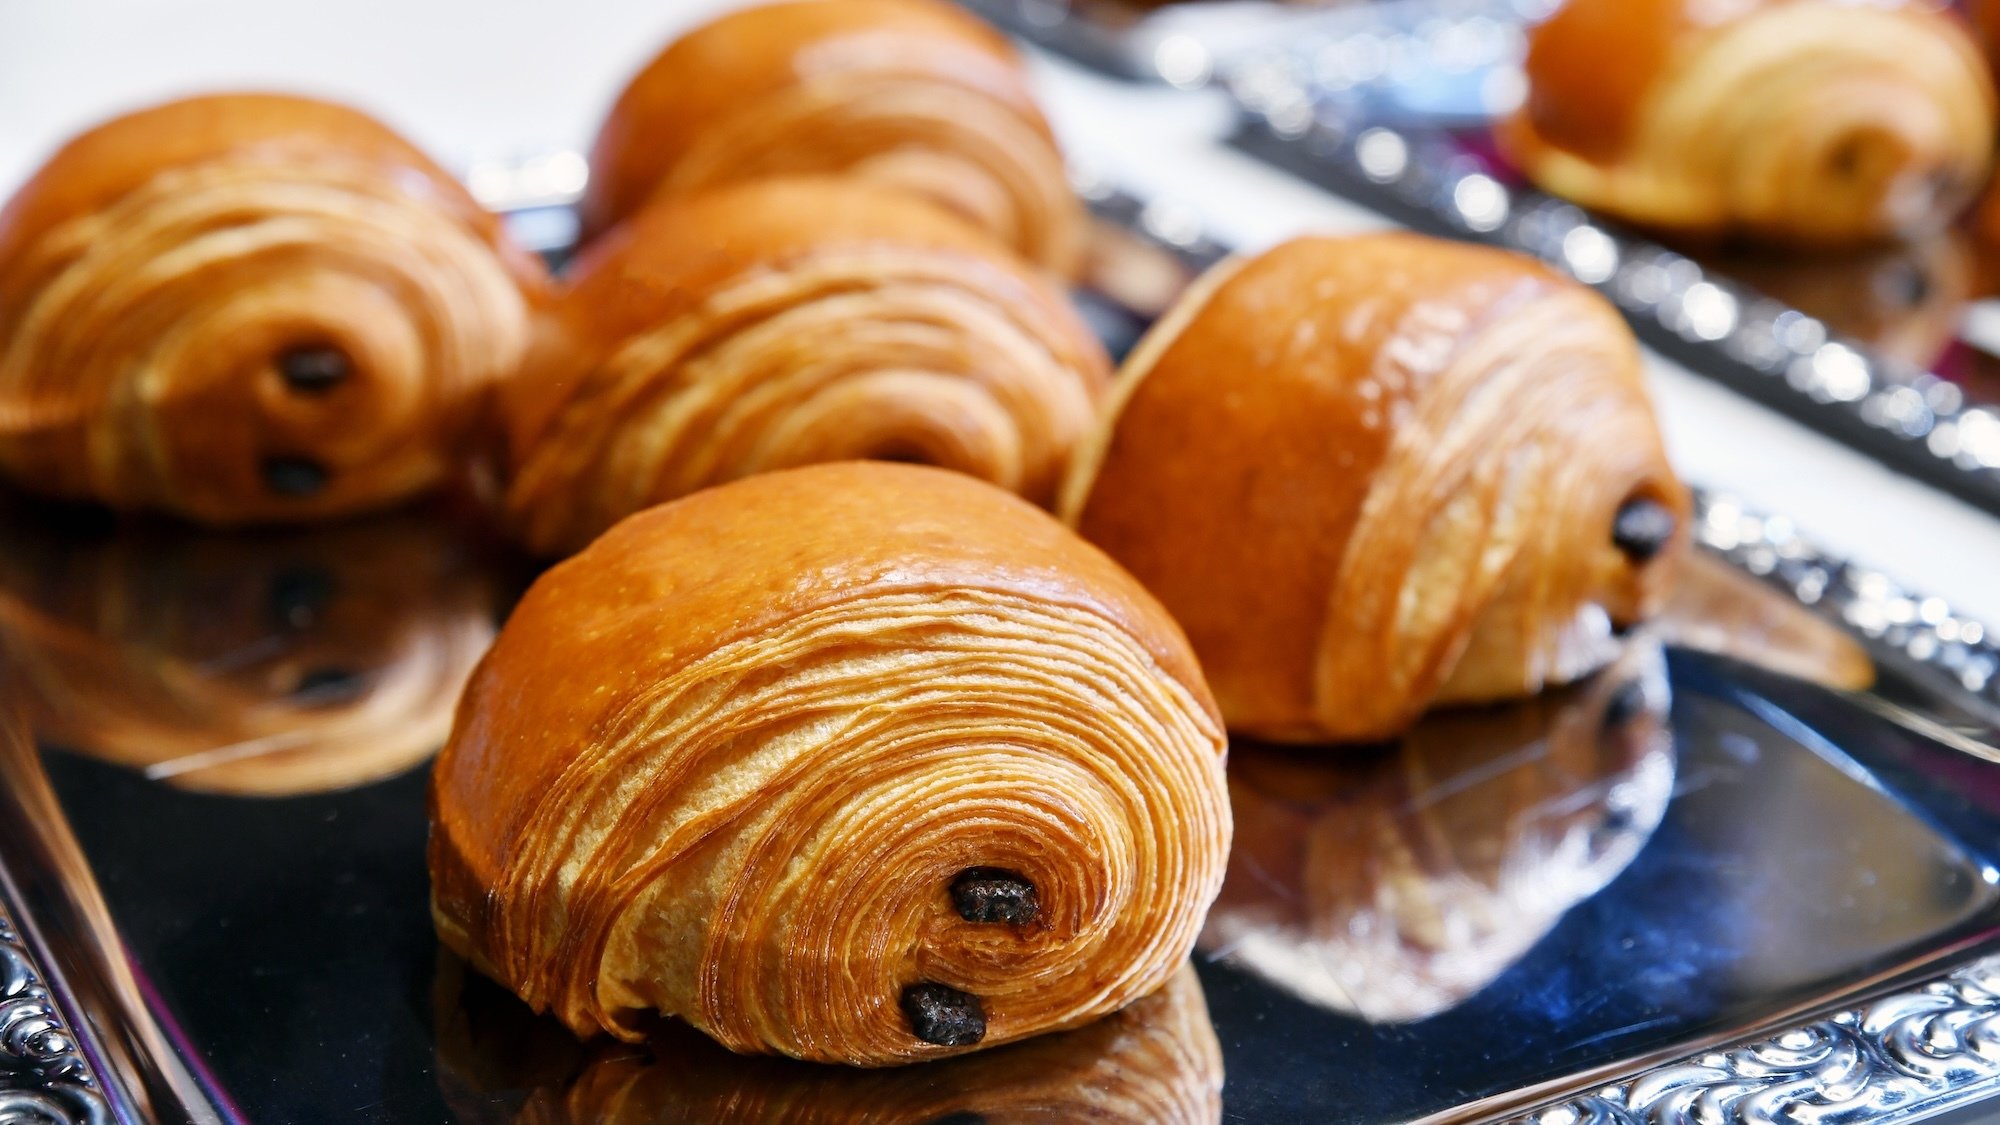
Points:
point(247, 308)
point(1376, 474)
point(916, 95)
point(257, 663)
point(1398, 886)
point(784, 322)
point(1804, 122)
point(1156, 1062)
point(856, 763)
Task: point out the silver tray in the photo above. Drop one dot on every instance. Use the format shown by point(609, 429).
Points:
point(1774, 904)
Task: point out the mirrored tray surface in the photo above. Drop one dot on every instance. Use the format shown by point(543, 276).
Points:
point(1511, 907)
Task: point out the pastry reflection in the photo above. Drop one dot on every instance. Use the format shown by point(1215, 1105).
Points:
point(257, 664)
point(1398, 886)
point(1719, 608)
point(1903, 302)
point(1156, 1061)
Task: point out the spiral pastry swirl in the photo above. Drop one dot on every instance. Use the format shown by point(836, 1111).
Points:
point(784, 323)
point(903, 770)
point(914, 95)
point(1372, 475)
point(248, 308)
point(1813, 122)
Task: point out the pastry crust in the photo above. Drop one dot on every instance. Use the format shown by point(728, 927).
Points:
point(728, 763)
point(1814, 122)
point(245, 308)
point(1371, 475)
point(782, 323)
point(911, 94)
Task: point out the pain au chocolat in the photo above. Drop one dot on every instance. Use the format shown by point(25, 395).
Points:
point(858, 763)
point(785, 322)
point(911, 94)
point(244, 308)
point(1371, 475)
point(1809, 122)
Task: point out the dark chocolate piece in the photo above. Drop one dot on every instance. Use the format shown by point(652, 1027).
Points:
point(315, 368)
point(294, 476)
point(941, 1014)
point(1642, 528)
point(994, 894)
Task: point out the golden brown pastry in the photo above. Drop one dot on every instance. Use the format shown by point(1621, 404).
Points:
point(857, 763)
point(1397, 887)
point(255, 664)
point(1372, 475)
point(1799, 121)
point(248, 308)
point(911, 94)
point(1156, 1062)
point(782, 323)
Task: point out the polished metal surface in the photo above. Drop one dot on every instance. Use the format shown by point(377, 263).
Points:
point(1904, 1057)
point(80, 1043)
point(1619, 889)
point(42, 1070)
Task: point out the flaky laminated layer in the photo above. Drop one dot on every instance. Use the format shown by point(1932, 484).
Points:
point(726, 763)
point(156, 270)
point(1370, 475)
point(1807, 121)
point(910, 94)
point(785, 323)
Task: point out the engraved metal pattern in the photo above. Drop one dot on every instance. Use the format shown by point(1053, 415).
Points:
point(44, 1077)
point(1908, 1055)
point(1777, 354)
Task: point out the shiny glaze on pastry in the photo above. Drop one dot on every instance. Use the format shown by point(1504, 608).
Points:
point(1800, 121)
point(248, 308)
point(1371, 475)
point(1399, 886)
point(857, 763)
point(261, 663)
point(911, 94)
point(1156, 1062)
point(782, 323)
